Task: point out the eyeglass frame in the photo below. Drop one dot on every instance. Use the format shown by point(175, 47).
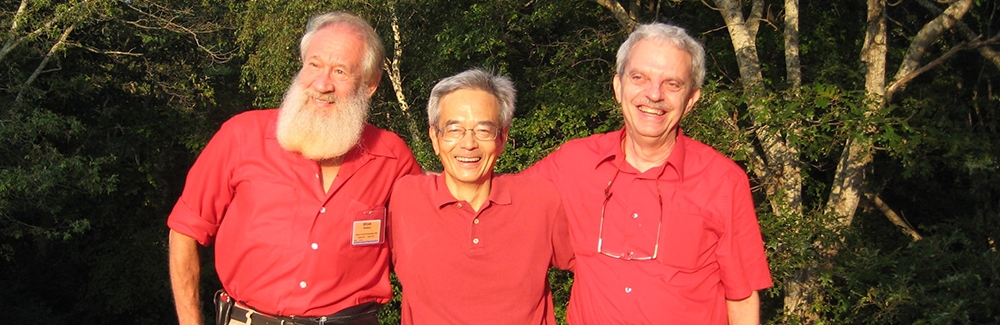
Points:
point(604, 206)
point(441, 132)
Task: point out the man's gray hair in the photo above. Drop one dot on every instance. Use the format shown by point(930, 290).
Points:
point(500, 87)
point(375, 52)
point(669, 33)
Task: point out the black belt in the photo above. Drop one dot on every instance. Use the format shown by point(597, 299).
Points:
point(240, 314)
point(363, 314)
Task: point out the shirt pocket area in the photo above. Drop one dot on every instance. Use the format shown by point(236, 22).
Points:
point(266, 210)
point(687, 240)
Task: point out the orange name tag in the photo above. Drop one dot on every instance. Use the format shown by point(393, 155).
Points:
point(367, 232)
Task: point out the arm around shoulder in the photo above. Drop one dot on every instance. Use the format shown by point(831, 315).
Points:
point(185, 274)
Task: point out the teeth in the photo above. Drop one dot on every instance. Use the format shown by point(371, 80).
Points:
point(651, 111)
point(468, 159)
point(326, 100)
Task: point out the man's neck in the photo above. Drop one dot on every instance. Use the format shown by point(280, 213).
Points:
point(645, 153)
point(329, 168)
point(475, 194)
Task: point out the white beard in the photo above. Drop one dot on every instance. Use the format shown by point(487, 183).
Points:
point(320, 134)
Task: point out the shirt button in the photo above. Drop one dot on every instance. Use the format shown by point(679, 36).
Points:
point(315, 246)
point(322, 210)
point(627, 289)
point(475, 240)
point(317, 175)
point(475, 221)
point(302, 284)
point(635, 215)
point(459, 205)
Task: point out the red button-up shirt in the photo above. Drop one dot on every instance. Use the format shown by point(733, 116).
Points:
point(283, 245)
point(460, 266)
point(710, 246)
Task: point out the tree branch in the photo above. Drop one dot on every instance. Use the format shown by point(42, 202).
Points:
point(988, 53)
point(901, 82)
point(14, 41)
point(625, 18)
point(17, 16)
point(41, 66)
point(753, 20)
point(169, 24)
point(893, 217)
point(930, 33)
point(100, 51)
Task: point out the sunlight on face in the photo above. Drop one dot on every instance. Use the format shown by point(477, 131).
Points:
point(655, 90)
point(468, 160)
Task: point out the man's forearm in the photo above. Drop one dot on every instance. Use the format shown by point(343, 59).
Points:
point(744, 312)
point(185, 272)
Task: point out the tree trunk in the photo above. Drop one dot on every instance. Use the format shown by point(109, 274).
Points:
point(392, 68)
point(781, 176)
point(792, 66)
point(801, 289)
point(625, 18)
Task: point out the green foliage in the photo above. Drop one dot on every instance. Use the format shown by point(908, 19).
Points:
point(561, 283)
point(96, 149)
point(948, 278)
point(96, 145)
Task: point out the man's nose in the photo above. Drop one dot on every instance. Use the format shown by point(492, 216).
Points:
point(324, 82)
point(654, 91)
point(468, 140)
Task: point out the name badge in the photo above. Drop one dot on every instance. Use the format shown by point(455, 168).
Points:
point(369, 227)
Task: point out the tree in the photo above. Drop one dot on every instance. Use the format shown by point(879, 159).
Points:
point(98, 93)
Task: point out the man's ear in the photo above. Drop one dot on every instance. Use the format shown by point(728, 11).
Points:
point(373, 84)
point(616, 84)
point(502, 137)
point(692, 100)
point(432, 132)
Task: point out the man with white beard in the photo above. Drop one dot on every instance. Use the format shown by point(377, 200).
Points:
point(294, 199)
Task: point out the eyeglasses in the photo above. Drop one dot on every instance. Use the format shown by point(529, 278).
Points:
point(455, 132)
point(630, 256)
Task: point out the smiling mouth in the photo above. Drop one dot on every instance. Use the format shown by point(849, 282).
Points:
point(325, 99)
point(651, 111)
point(468, 159)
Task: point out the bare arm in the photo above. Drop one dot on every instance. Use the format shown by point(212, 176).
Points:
point(185, 272)
point(744, 312)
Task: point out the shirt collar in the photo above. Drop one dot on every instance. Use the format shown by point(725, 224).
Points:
point(610, 150)
point(499, 192)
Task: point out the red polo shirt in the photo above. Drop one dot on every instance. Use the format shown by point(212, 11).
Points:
point(459, 266)
point(282, 244)
point(710, 246)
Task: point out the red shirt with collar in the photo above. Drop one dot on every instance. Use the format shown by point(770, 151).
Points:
point(283, 245)
point(459, 266)
point(710, 246)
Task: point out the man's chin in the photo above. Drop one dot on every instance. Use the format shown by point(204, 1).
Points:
point(317, 110)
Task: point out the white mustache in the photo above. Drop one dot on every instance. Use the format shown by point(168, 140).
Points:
point(657, 105)
point(329, 98)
